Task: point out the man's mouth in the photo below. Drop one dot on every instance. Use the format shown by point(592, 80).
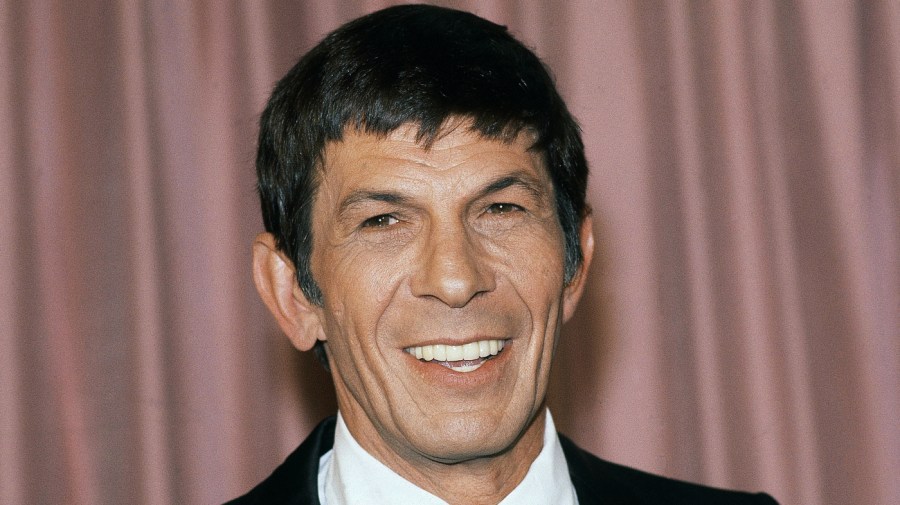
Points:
point(459, 358)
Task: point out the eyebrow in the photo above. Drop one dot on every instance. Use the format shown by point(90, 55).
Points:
point(525, 182)
point(365, 195)
point(516, 180)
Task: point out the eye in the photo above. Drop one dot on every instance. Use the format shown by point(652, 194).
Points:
point(380, 221)
point(503, 208)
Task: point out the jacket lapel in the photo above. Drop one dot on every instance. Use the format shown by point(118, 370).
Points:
point(296, 481)
point(594, 482)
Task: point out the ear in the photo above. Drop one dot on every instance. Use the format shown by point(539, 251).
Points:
point(575, 288)
point(276, 282)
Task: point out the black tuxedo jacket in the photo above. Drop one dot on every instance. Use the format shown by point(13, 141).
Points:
point(295, 482)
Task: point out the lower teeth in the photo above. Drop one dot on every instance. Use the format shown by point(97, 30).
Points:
point(466, 368)
point(463, 366)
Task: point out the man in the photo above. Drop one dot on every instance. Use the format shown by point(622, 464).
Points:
point(423, 192)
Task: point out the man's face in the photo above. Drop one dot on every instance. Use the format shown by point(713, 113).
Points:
point(430, 262)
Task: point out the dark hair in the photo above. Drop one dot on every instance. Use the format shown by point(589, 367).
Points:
point(414, 64)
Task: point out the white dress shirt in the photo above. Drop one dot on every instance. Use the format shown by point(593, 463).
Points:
point(349, 475)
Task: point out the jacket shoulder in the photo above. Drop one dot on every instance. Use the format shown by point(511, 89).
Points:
point(296, 480)
point(598, 481)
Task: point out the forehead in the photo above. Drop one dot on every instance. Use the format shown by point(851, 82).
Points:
point(361, 157)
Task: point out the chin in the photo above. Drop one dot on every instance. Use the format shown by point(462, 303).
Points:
point(466, 437)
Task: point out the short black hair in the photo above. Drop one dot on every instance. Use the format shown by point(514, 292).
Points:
point(410, 64)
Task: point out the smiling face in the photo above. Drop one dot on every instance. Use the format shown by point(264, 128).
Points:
point(442, 272)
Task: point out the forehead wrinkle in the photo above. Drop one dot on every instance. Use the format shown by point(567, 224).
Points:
point(449, 150)
point(452, 156)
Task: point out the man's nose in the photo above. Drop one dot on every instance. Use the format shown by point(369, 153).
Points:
point(452, 268)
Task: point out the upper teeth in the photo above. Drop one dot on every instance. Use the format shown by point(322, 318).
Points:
point(443, 352)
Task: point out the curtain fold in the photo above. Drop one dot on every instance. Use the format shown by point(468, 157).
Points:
point(741, 327)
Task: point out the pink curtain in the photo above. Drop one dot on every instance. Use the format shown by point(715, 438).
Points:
point(741, 328)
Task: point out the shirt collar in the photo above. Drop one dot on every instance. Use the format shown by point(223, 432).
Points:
point(348, 474)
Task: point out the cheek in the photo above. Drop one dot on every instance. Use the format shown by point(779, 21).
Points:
point(362, 285)
point(533, 261)
point(535, 268)
point(370, 278)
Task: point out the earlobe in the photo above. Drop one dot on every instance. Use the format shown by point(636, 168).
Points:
point(575, 288)
point(275, 279)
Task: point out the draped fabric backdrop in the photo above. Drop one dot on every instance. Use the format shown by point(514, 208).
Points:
point(741, 325)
